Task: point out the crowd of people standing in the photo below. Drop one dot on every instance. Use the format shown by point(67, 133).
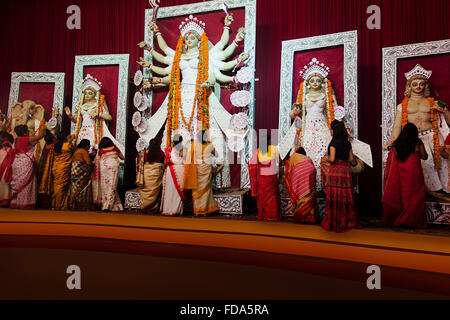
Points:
point(64, 176)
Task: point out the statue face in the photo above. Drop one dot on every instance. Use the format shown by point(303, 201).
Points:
point(191, 39)
point(418, 86)
point(89, 94)
point(315, 82)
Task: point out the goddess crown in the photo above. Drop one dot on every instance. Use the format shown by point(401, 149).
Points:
point(192, 24)
point(314, 67)
point(90, 81)
point(418, 70)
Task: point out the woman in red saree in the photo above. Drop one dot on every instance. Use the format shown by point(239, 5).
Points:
point(301, 182)
point(340, 211)
point(6, 155)
point(404, 194)
point(263, 171)
point(23, 178)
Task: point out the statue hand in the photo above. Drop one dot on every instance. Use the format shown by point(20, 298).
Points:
point(242, 57)
point(145, 45)
point(240, 35)
point(206, 84)
point(437, 108)
point(388, 145)
point(156, 80)
point(67, 110)
point(94, 114)
point(228, 20)
point(153, 27)
point(147, 85)
point(143, 63)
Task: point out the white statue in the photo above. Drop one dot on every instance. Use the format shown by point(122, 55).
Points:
point(92, 115)
point(315, 105)
point(192, 70)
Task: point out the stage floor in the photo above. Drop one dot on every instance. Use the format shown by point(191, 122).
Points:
point(409, 259)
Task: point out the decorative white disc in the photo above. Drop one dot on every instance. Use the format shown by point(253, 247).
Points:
point(244, 75)
point(240, 98)
point(136, 120)
point(137, 99)
point(138, 76)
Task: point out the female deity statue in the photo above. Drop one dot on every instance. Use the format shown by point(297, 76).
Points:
point(92, 115)
point(315, 105)
point(431, 118)
point(192, 69)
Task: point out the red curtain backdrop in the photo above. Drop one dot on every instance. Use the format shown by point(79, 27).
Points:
point(36, 38)
point(41, 93)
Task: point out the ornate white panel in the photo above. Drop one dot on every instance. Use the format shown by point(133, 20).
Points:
point(350, 42)
point(38, 77)
point(122, 96)
point(249, 45)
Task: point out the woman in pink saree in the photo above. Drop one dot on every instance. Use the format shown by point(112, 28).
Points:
point(6, 155)
point(23, 178)
point(106, 176)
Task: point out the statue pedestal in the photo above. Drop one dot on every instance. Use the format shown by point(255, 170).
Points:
point(438, 212)
point(132, 199)
point(231, 201)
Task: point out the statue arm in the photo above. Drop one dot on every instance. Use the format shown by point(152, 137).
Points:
point(69, 115)
point(163, 45)
point(334, 100)
point(397, 128)
point(158, 56)
point(221, 77)
point(232, 64)
point(161, 82)
point(105, 114)
point(160, 71)
point(232, 47)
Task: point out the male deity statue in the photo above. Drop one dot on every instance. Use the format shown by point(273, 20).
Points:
point(432, 118)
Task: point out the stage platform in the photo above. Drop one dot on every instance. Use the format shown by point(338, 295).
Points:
point(411, 261)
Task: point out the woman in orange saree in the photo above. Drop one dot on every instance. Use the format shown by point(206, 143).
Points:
point(198, 176)
point(301, 182)
point(57, 172)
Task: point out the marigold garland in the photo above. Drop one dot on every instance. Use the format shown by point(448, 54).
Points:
point(330, 107)
point(300, 102)
point(434, 122)
point(201, 94)
point(174, 93)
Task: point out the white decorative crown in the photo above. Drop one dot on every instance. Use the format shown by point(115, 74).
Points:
point(92, 82)
point(192, 24)
point(418, 70)
point(314, 67)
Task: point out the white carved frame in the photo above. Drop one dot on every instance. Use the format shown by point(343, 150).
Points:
point(123, 61)
point(249, 43)
point(37, 77)
point(350, 42)
point(391, 55)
